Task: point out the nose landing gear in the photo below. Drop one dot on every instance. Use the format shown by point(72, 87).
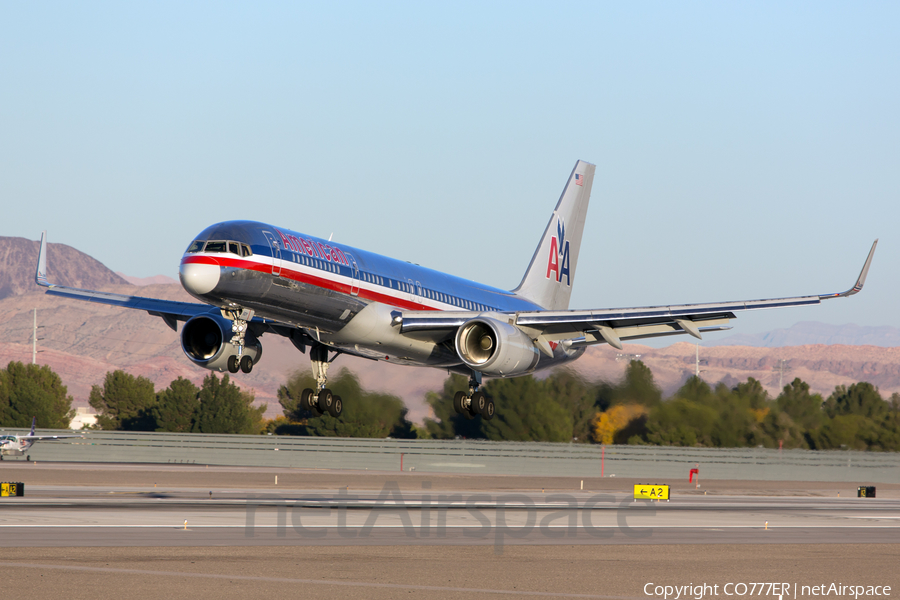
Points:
point(239, 325)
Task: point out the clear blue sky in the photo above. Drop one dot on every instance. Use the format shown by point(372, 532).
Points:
point(743, 150)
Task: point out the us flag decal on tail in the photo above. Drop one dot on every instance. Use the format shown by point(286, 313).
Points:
point(579, 180)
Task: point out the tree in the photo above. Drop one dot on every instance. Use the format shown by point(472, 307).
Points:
point(617, 424)
point(681, 422)
point(754, 394)
point(177, 407)
point(366, 414)
point(637, 387)
point(32, 391)
point(696, 390)
point(578, 398)
point(737, 423)
point(803, 408)
point(527, 409)
point(124, 402)
point(224, 408)
point(860, 399)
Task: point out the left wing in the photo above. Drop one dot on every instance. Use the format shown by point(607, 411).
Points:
point(171, 311)
point(37, 438)
point(580, 328)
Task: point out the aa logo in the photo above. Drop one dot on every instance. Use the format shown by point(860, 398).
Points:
point(558, 261)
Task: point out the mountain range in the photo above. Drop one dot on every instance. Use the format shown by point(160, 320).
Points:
point(83, 341)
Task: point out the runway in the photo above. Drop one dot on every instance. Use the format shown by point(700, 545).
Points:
point(381, 535)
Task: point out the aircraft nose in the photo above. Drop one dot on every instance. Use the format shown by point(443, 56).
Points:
point(199, 279)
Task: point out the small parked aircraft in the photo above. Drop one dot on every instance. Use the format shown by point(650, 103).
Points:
point(18, 445)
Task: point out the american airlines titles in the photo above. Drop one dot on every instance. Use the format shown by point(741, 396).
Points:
point(313, 248)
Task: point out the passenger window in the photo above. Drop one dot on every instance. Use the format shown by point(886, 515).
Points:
point(215, 246)
point(196, 246)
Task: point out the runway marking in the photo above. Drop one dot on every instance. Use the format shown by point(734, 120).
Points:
point(359, 584)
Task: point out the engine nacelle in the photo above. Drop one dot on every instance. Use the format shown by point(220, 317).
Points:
point(206, 340)
point(495, 348)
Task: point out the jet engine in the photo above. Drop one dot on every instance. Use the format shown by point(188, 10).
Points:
point(206, 340)
point(496, 348)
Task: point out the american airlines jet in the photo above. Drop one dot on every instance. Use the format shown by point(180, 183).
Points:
point(329, 298)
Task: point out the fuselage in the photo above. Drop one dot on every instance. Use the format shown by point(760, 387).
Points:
point(342, 296)
point(11, 445)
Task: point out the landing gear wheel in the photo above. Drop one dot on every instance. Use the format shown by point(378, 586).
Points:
point(325, 401)
point(458, 402)
point(306, 400)
point(488, 410)
point(233, 365)
point(246, 363)
point(336, 408)
point(478, 403)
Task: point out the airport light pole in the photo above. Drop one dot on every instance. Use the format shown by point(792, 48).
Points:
point(34, 339)
point(782, 369)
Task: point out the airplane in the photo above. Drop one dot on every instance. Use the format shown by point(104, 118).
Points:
point(18, 445)
point(254, 278)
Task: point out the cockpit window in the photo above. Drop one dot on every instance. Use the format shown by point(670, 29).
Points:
point(222, 246)
point(216, 246)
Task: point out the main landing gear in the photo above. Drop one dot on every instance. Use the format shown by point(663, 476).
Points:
point(239, 322)
point(321, 400)
point(475, 402)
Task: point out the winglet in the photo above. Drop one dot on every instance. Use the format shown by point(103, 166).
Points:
point(40, 276)
point(861, 280)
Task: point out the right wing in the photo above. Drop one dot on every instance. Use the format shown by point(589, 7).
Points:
point(579, 328)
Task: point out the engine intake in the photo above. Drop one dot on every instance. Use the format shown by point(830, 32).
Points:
point(496, 348)
point(205, 339)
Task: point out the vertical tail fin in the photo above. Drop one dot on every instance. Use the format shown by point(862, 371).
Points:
point(548, 280)
point(33, 421)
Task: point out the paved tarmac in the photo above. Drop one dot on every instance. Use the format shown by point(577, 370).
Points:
point(96, 531)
